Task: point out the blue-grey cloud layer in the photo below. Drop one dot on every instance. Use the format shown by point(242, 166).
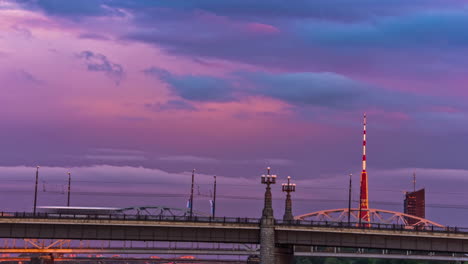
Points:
point(324, 89)
point(193, 87)
point(330, 9)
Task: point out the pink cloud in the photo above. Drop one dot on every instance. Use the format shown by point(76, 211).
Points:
point(262, 28)
point(445, 109)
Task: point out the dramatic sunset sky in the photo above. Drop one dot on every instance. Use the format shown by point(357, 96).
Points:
point(131, 95)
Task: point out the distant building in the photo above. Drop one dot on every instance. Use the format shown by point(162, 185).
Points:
point(415, 204)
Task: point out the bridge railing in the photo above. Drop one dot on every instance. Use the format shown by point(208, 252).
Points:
point(240, 220)
point(366, 225)
point(126, 217)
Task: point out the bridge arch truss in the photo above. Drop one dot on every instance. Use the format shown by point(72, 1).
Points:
point(377, 216)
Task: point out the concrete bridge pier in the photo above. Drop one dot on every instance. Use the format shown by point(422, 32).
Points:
point(267, 241)
point(270, 253)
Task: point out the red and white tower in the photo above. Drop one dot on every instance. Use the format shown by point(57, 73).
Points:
point(364, 195)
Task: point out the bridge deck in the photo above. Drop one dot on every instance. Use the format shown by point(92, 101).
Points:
point(231, 230)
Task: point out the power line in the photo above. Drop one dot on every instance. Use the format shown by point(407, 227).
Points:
point(224, 185)
point(235, 197)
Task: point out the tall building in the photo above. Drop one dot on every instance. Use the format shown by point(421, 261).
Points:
point(415, 204)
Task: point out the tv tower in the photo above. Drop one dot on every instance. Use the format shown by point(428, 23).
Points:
point(364, 195)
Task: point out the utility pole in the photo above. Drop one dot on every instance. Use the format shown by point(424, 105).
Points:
point(349, 199)
point(214, 197)
point(414, 181)
point(35, 190)
point(191, 193)
point(69, 183)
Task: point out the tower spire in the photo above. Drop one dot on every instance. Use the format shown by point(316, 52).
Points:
point(364, 194)
point(364, 165)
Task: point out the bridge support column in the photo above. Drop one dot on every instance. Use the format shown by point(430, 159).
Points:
point(267, 241)
point(267, 224)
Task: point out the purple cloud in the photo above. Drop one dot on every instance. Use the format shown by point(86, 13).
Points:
point(108, 154)
point(189, 159)
point(321, 89)
point(26, 33)
point(93, 36)
point(171, 105)
point(195, 88)
point(28, 77)
point(74, 9)
point(433, 29)
point(99, 63)
point(423, 42)
point(332, 10)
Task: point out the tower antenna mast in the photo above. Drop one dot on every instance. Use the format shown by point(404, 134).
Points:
point(364, 194)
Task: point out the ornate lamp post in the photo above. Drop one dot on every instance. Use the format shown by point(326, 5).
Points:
point(288, 188)
point(268, 179)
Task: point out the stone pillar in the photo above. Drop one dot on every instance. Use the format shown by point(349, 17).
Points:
point(269, 253)
point(288, 188)
point(267, 231)
point(288, 216)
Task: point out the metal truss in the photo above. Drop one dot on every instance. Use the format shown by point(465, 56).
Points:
point(41, 244)
point(159, 211)
point(377, 216)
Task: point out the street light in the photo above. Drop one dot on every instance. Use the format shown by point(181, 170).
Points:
point(349, 198)
point(35, 189)
point(214, 197)
point(288, 188)
point(191, 193)
point(268, 179)
point(69, 182)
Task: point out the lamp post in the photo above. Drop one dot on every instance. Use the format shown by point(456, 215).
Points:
point(69, 183)
point(288, 188)
point(35, 190)
point(191, 193)
point(349, 199)
point(268, 179)
point(214, 197)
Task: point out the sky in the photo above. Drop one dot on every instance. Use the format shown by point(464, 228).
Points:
point(130, 96)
